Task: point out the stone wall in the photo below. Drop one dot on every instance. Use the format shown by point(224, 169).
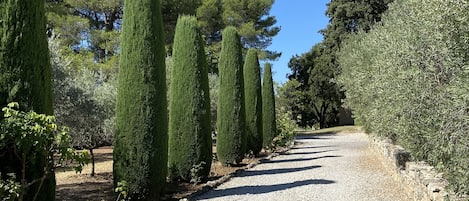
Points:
point(422, 180)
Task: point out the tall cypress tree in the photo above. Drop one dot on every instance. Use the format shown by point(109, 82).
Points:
point(25, 77)
point(141, 139)
point(253, 101)
point(231, 112)
point(268, 106)
point(190, 141)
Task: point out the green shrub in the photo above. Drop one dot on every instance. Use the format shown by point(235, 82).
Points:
point(285, 128)
point(268, 107)
point(141, 136)
point(32, 136)
point(190, 140)
point(253, 102)
point(231, 138)
point(410, 82)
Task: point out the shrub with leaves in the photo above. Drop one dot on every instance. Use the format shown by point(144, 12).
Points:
point(27, 136)
point(407, 80)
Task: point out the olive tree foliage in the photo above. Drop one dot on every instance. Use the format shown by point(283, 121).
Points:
point(407, 80)
point(82, 98)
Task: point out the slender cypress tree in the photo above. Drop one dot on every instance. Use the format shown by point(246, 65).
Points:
point(25, 77)
point(253, 97)
point(268, 106)
point(141, 138)
point(190, 140)
point(231, 112)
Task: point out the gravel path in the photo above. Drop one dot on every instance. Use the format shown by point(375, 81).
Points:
point(322, 167)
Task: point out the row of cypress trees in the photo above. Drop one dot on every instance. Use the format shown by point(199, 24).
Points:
point(141, 153)
point(141, 141)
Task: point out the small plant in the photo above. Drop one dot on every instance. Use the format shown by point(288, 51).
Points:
point(196, 172)
point(285, 129)
point(122, 190)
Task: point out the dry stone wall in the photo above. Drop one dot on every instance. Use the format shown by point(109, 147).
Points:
point(422, 180)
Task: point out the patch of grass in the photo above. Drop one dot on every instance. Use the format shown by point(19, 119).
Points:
point(332, 130)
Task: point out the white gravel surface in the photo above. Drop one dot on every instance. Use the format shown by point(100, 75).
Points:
point(321, 167)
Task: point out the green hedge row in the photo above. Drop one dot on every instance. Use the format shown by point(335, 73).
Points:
point(408, 79)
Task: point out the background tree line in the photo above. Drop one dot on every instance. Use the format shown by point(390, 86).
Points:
point(312, 93)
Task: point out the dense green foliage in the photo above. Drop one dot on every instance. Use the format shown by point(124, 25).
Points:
point(26, 78)
point(253, 102)
point(34, 137)
point(141, 138)
point(82, 98)
point(407, 79)
point(269, 122)
point(316, 97)
point(190, 141)
point(231, 124)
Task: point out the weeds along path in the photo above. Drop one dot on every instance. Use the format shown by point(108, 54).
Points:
point(337, 167)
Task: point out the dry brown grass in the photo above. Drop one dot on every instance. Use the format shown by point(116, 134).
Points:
point(81, 187)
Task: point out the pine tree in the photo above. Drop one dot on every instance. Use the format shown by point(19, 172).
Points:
point(141, 139)
point(190, 142)
point(253, 102)
point(231, 111)
point(268, 106)
point(26, 78)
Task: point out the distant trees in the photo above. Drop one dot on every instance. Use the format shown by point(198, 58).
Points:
point(140, 151)
point(319, 95)
point(407, 80)
point(190, 141)
point(231, 122)
point(268, 107)
point(26, 78)
point(253, 102)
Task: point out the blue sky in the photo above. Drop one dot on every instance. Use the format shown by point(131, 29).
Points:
point(300, 21)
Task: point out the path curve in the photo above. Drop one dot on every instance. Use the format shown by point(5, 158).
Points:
point(338, 167)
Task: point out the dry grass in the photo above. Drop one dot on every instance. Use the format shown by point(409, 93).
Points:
point(81, 187)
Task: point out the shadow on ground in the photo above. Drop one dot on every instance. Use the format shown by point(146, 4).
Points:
point(299, 159)
point(263, 188)
point(88, 190)
point(275, 171)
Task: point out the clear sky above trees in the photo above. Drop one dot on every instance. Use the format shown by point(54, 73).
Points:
point(300, 21)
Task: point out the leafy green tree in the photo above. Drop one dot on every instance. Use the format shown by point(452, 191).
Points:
point(231, 124)
point(141, 138)
point(26, 78)
point(82, 98)
point(253, 102)
point(190, 141)
point(268, 107)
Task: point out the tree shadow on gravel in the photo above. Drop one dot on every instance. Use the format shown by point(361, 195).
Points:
point(310, 147)
point(322, 136)
point(263, 189)
point(299, 159)
point(305, 153)
point(248, 173)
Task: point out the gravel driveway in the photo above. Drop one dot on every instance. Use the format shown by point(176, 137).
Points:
point(335, 167)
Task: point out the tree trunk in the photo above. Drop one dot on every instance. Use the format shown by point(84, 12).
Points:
point(92, 162)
